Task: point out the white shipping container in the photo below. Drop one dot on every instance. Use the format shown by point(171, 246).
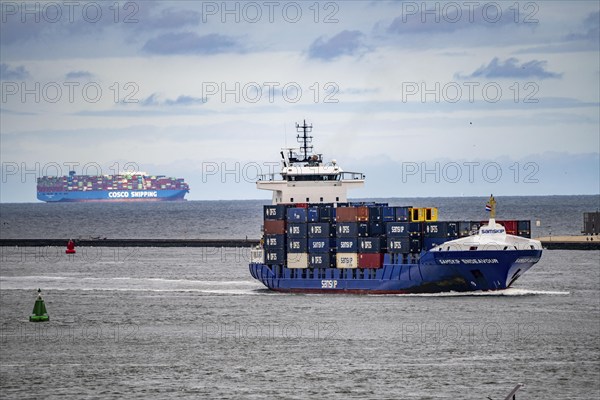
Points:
point(346, 260)
point(297, 260)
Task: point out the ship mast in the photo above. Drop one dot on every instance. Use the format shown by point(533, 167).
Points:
point(492, 204)
point(304, 140)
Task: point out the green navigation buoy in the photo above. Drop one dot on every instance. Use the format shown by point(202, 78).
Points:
point(39, 310)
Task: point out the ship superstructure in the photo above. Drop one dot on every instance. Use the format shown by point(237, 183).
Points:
point(306, 178)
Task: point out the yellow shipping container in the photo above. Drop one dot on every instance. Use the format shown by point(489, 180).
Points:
point(430, 214)
point(417, 215)
point(297, 260)
point(346, 260)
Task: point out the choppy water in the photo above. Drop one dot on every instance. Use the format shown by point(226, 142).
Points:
point(191, 323)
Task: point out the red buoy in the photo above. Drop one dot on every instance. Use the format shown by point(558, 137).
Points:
point(70, 247)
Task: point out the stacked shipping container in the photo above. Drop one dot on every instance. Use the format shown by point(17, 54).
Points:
point(48, 184)
point(358, 235)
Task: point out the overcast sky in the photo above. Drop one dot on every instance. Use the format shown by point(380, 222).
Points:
point(451, 98)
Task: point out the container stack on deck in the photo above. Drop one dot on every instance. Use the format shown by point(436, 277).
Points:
point(358, 235)
point(49, 184)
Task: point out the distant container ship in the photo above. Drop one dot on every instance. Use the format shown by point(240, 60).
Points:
point(110, 188)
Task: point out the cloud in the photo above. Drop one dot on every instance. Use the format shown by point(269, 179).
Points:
point(586, 39)
point(451, 17)
point(23, 22)
point(185, 101)
point(79, 75)
point(359, 91)
point(344, 43)
point(169, 18)
point(154, 100)
point(18, 73)
point(12, 30)
point(190, 43)
point(592, 29)
point(511, 69)
point(14, 112)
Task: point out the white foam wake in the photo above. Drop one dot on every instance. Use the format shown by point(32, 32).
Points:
point(505, 292)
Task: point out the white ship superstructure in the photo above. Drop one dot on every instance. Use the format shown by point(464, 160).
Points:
point(305, 178)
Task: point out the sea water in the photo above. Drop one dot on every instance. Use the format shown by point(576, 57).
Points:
point(192, 323)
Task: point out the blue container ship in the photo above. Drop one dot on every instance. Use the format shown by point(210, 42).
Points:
point(110, 188)
point(315, 241)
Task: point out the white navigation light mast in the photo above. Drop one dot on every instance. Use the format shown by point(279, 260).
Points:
point(305, 178)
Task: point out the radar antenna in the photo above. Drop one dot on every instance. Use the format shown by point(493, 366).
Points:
point(304, 140)
point(306, 148)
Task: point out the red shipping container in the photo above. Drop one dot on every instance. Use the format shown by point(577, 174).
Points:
point(370, 260)
point(362, 214)
point(346, 214)
point(301, 205)
point(510, 226)
point(274, 227)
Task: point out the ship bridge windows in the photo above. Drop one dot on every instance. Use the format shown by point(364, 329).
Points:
point(313, 177)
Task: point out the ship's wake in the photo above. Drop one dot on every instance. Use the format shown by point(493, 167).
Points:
point(207, 287)
point(492, 293)
point(131, 284)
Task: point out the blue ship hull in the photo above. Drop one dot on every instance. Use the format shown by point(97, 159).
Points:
point(113, 196)
point(438, 271)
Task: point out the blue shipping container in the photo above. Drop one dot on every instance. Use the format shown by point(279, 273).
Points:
point(415, 228)
point(347, 244)
point(274, 211)
point(297, 245)
point(402, 214)
point(297, 230)
point(321, 260)
point(452, 229)
point(524, 225)
point(319, 230)
point(313, 214)
point(347, 229)
point(388, 214)
point(321, 245)
point(274, 242)
point(326, 214)
point(363, 229)
point(297, 214)
point(377, 229)
point(398, 245)
point(375, 213)
point(370, 245)
point(275, 257)
point(397, 229)
point(415, 245)
point(437, 229)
